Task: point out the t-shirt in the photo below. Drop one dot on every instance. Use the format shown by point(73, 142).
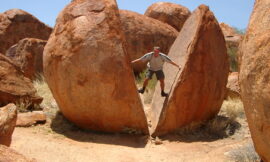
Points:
point(155, 63)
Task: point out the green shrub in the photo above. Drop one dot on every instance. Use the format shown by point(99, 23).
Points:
point(232, 52)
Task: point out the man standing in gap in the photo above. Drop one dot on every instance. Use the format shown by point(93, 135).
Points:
point(155, 61)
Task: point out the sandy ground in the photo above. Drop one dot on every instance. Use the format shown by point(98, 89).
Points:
point(57, 141)
point(45, 145)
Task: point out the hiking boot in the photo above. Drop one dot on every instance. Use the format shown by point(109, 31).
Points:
point(141, 90)
point(163, 94)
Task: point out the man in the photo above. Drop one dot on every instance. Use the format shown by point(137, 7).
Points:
point(155, 61)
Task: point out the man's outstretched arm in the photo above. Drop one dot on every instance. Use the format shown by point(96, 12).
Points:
point(144, 58)
point(167, 59)
point(137, 60)
point(173, 63)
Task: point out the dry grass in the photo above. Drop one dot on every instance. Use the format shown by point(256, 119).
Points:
point(233, 108)
point(48, 104)
point(224, 125)
point(59, 123)
point(245, 153)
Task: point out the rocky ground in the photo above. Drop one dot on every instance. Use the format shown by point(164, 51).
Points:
point(58, 141)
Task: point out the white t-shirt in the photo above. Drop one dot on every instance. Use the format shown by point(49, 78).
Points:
point(155, 63)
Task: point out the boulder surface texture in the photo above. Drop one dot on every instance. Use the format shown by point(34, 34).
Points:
point(8, 117)
point(16, 24)
point(196, 92)
point(170, 13)
point(255, 77)
point(88, 70)
point(14, 86)
point(28, 55)
point(143, 34)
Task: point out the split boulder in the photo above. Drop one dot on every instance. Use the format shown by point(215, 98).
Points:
point(170, 13)
point(255, 77)
point(196, 92)
point(143, 33)
point(88, 71)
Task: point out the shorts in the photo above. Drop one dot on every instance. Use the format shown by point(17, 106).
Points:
point(159, 74)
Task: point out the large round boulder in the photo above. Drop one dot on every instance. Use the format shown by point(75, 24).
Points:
point(196, 92)
point(143, 33)
point(170, 13)
point(16, 24)
point(8, 117)
point(14, 86)
point(28, 55)
point(88, 70)
point(255, 77)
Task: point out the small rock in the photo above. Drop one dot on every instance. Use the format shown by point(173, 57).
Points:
point(158, 141)
point(30, 118)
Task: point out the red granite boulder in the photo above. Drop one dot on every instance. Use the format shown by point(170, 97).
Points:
point(254, 77)
point(8, 117)
point(170, 13)
point(233, 88)
point(28, 55)
point(88, 70)
point(196, 92)
point(16, 24)
point(14, 86)
point(143, 33)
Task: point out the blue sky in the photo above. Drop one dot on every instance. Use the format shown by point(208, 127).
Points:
point(233, 12)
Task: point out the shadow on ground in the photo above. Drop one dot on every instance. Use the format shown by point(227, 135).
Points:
point(218, 128)
point(62, 126)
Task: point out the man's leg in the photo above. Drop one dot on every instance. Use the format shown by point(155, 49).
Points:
point(144, 86)
point(149, 75)
point(162, 84)
point(160, 77)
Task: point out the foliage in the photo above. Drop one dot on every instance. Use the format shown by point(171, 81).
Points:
point(232, 52)
point(239, 31)
point(223, 125)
